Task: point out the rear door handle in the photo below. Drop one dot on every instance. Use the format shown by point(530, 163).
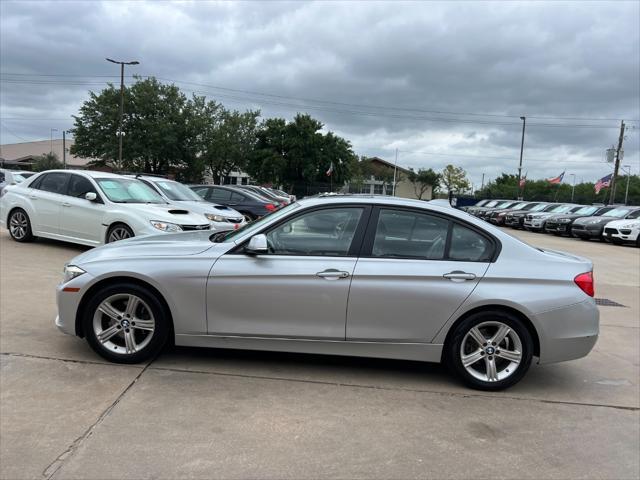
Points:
point(332, 274)
point(33, 197)
point(65, 204)
point(459, 276)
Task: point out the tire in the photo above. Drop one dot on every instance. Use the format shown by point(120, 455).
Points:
point(117, 333)
point(19, 226)
point(119, 231)
point(586, 239)
point(487, 324)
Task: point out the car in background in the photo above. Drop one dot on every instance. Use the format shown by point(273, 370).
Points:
point(220, 217)
point(12, 177)
point(343, 275)
point(90, 208)
point(282, 193)
point(250, 205)
point(586, 228)
point(479, 203)
point(561, 224)
point(516, 219)
point(485, 205)
point(266, 193)
point(535, 221)
point(497, 217)
point(484, 213)
point(623, 231)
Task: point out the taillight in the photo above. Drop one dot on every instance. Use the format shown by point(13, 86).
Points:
point(271, 207)
point(585, 282)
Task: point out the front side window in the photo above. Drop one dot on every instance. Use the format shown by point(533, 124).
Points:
point(79, 186)
point(410, 235)
point(468, 245)
point(128, 190)
point(220, 195)
point(54, 183)
point(327, 232)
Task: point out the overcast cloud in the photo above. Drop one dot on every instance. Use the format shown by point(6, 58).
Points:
point(488, 63)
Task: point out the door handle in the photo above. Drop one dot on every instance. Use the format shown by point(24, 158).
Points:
point(332, 273)
point(33, 197)
point(65, 204)
point(459, 276)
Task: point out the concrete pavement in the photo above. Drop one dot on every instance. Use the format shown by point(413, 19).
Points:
point(65, 413)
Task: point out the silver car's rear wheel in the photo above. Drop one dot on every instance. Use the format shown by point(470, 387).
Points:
point(124, 324)
point(19, 226)
point(491, 351)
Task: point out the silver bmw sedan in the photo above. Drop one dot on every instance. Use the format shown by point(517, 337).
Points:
point(346, 275)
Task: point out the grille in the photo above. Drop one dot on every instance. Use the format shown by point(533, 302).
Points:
point(578, 227)
point(610, 230)
point(605, 302)
point(186, 228)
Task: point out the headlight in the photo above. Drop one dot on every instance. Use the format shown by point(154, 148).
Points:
point(593, 222)
point(165, 227)
point(214, 218)
point(629, 225)
point(564, 220)
point(502, 214)
point(71, 272)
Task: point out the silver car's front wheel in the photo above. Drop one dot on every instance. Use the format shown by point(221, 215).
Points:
point(119, 232)
point(489, 350)
point(20, 226)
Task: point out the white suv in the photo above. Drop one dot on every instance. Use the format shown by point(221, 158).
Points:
point(90, 208)
point(219, 216)
point(621, 231)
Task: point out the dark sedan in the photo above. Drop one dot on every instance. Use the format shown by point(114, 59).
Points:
point(497, 217)
point(587, 228)
point(561, 224)
point(250, 205)
point(516, 219)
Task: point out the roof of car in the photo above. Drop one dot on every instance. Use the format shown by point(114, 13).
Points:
point(88, 173)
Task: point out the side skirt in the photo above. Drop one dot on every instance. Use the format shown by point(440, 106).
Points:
point(423, 352)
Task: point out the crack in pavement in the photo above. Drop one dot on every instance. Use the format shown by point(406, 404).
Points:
point(68, 360)
point(54, 467)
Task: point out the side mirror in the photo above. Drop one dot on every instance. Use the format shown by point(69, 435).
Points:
point(91, 196)
point(257, 244)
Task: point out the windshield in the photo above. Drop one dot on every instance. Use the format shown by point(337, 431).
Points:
point(177, 191)
point(493, 203)
point(520, 206)
point(617, 212)
point(587, 211)
point(128, 190)
point(21, 177)
point(504, 204)
point(539, 207)
point(561, 209)
point(253, 226)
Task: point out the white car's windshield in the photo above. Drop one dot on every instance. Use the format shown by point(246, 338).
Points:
point(491, 204)
point(177, 191)
point(562, 209)
point(128, 190)
point(21, 177)
point(520, 206)
point(587, 210)
point(539, 207)
point(504, 204)
point(617, 212)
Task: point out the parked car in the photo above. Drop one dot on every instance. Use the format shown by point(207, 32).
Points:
point(250, 205)
point(12, 177)
point(220, 217)
point(89, 208)
point(516, 219)
point(292, 198)
point(393, 278)
point(587, 228)
point(489, 204)
point(265, 192)
point(535, 221)
point(623, 231)
point(498, 217)
point(484, 212)
point(480, 203)
point(561, 224)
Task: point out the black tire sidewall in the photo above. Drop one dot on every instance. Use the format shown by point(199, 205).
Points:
point(160, 334)
point(452, 349)
point(29, 235)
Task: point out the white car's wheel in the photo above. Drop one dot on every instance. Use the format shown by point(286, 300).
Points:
point(119, 231)
point(20, 226)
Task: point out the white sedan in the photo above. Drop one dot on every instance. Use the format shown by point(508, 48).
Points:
point(623, 231)
point(89, 208)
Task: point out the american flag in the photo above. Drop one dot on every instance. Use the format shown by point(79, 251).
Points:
point(330, 171)
point(604, 182)
point(523, 180)
point(556, 180)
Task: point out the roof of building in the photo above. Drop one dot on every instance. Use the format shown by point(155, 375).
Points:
point(24, 153)
point(387, 164)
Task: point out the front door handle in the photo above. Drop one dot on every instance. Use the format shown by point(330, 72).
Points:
point(33, 197)
point(459, 276)
point(332, 273)
point(65, 204)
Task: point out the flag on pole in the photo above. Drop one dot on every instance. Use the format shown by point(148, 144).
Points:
point(330, 171)
point(523, 180)
point(604, 182)
point(556, 180)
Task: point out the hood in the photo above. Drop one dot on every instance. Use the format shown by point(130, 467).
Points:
point(206, 207)
point(544, 214)
point(163, 245)
point(594, 220)
point(621, 223)
point(166, 213)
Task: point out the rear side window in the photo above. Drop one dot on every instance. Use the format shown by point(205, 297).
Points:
point(54, 183)
point(79, 186)
point(219, 194)
point(202, 191)
point(237, 197)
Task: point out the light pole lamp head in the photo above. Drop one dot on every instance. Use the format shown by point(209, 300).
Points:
point(522, 118)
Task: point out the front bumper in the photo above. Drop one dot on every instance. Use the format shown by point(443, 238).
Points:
point(514, 222)
point(68, 302)
point(534, 224)
point(623, 234)
point(557, 227)
point(586, 231)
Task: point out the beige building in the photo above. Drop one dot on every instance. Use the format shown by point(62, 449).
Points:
point(21, 155)
point(381, 181)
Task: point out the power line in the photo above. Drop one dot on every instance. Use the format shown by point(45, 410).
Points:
point(11, 133)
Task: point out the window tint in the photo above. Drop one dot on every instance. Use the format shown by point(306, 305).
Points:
point(219, 194)
point(321, 232)
point(54, 182)
point(237, 197)
point(79, 186)
point(410, 234)
point(202, 191)
point(468, 245)
point(635, 214)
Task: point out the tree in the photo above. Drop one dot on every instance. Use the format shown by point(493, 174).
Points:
point(48, 161)
point(422, 180)
point(454, 179)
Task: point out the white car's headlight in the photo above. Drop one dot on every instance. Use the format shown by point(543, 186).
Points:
point(165, 226)
point(71, 272)
point(629, 225)
point(212, 217)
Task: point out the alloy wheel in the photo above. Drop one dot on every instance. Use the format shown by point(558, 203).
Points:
point(491, 351)
point(124, 324)
point(18, 225)
point(119, 233)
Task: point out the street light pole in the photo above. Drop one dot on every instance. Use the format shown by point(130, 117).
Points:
point(573, 186)
point(120, 133)
point(524, 123)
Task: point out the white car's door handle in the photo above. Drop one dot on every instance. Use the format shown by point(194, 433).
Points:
point(65, 204)
point(332, 273)
point(458, 275)
point(33, 197)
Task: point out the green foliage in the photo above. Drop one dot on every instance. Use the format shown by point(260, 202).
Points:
point(48, 161)
point(422, 180)
point(454, 179)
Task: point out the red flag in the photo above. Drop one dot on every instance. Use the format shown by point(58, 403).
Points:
point(556, 180)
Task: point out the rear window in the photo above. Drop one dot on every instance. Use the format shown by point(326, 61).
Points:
point(53, 182)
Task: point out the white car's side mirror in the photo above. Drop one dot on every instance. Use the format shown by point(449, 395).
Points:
point(257, 244)
point(91, 196)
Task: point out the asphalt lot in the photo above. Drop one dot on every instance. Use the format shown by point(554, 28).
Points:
point(65, 413)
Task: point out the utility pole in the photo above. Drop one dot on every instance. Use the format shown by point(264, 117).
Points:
point(617, 165)
point(64, 150)
point(482, 185)
point(573, 186)
point(120, 132)
point(627, 169)
point(395, 170)
point(524, 123)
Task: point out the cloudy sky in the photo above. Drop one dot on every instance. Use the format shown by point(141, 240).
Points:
point(440, 82)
